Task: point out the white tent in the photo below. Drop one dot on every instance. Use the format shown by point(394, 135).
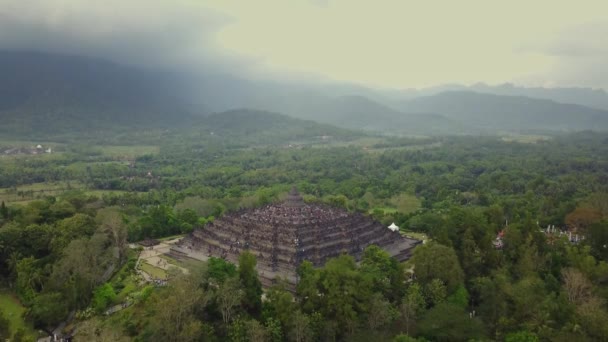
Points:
point(393, 227)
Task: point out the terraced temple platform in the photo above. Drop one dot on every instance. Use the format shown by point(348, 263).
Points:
point(283, 235)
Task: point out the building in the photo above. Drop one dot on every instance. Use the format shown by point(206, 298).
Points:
point(283, 235)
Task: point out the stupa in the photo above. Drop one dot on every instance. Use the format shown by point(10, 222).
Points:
point(284, 234)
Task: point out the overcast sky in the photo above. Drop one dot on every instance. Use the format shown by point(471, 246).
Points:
point(399, 44)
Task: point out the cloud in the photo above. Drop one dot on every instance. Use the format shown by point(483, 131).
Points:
point(173, 34)
point(388, 43)
point(579, 54)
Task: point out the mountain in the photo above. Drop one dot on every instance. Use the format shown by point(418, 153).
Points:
point(493, 113)
point(352, 112)
point(594, 98)
point(247, 121)
point(42, 92)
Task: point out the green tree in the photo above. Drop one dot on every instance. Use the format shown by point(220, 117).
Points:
point(20, 336)
point(345, 292)
point(5, 327)
point(448, 322)
point(3, 211)
point(521, 336)
point(435, 292)
point(228, 296)
point(218, 270)
point(48, 309)
point(385, 273)
point(280, 305)
point(308, 287)
point(460, 297)
point(412, 306)
point(103, 296)
point(380, 312)
point(435, 261)
point(252, 298)
point(175, 307)
point(299, 327)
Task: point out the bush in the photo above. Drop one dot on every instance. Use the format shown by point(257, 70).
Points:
point(103, 297)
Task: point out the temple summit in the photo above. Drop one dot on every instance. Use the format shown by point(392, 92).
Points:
point(284, 234)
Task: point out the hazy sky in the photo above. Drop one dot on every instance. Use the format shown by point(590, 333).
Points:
point(399, 44)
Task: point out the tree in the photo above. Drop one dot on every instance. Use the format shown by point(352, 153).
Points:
point(252, 298)
point(380, 312)
point(385, 273)
point(103, 296)
point(228, 296)
point(20, 336)
point(597, 238)
point(3, 211)
point(5, 327)
point(447, 322)
point(435, 261)
point(299, 327)
point(460, 297)
point(111, 222)
point(280, 305)
point(577, 287)
point(256, 332)
point(582, 217)
point(48, 309)
point(521, 336)
point(308, 286)
point(345, 292)
point(274, 330)
point(218, 270)
point(435, 292)
point(174, 309)
point(71, 228)
point(412, 306)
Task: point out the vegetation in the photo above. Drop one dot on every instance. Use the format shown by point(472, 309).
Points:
point(67, 250)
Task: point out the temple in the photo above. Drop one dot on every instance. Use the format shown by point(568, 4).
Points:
point(283, 235)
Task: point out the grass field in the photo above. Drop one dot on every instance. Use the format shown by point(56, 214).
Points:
point(525, 139)
point(129, 151)
point(130, 287)
point(415, 235)
point(405, 203)
point(172, 237)
point(189, 264)
point(13, 310)
point(29, 192)
point(402, 203)
point(24, 194)
point(153, 271)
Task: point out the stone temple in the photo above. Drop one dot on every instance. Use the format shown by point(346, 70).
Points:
point(283, 235)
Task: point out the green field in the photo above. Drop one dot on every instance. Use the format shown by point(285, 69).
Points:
point(405, 203)
point(415, 235)
point(187, 263)
point(153, 271)
point(129, 151)
point(25, 193)
point(526, 139)
point(13, 310)
point(402, 203)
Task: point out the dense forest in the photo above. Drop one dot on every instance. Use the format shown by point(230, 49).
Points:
point(65, 252)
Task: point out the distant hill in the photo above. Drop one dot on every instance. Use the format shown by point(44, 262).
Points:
point(242, 128)
point(493, 113)
point(248, 121)
point(594, 98)
point(359, 113)
point(42, 92)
